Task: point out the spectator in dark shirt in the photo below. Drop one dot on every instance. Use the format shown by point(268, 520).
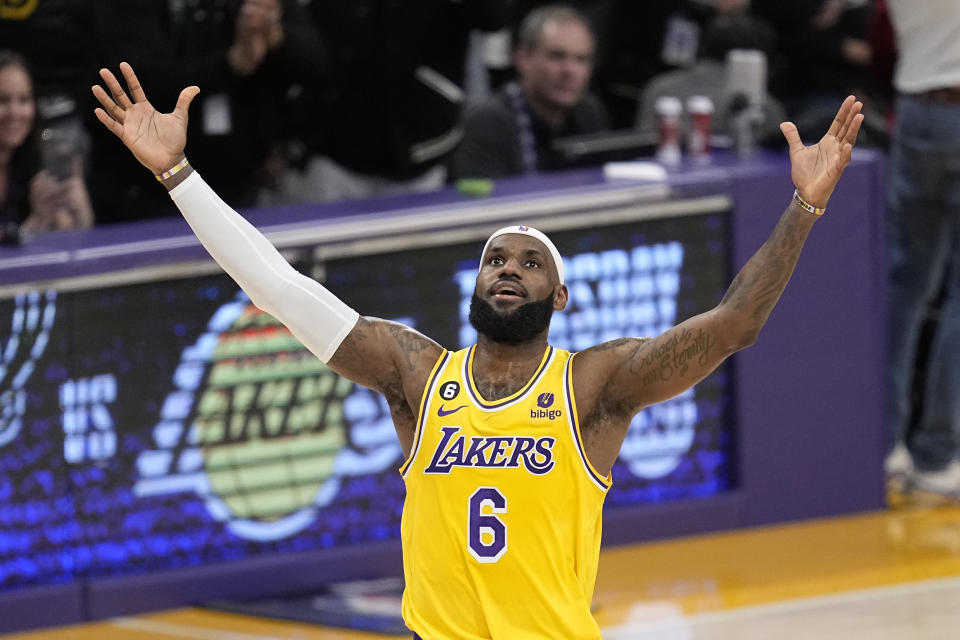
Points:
point(387, 113)
point(512, 132)
point(243, 54)
point(824, 54)
point(641, 39)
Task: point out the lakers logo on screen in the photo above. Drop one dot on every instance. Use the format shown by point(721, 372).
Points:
point(258, 427)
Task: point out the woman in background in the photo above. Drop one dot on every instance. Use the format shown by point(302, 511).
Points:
point(40, 189)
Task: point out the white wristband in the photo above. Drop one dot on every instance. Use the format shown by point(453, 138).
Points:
point(806, 206)
point(315, 316)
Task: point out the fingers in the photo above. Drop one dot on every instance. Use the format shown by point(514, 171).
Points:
point(842, 159)
point(790, 132)
point(109, 122)
point(852, 114)
point(120, 99)
point(850, 135)
point(846, 152)
point(183, 102)
point(109, 106)
point(132, 83)
point(842, 115)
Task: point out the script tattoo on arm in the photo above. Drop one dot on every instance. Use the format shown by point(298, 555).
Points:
point(682, 353)
point(620, 377)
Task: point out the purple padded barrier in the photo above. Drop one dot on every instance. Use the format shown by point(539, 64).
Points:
point(244, 579)
point(42, 607)
point(809, 393)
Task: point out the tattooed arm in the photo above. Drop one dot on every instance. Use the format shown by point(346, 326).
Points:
point(615, 380)
point(393, 359)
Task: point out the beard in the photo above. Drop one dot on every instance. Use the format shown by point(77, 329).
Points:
point(516, 327)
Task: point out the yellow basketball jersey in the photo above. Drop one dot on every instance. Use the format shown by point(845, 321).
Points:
point(501, 523)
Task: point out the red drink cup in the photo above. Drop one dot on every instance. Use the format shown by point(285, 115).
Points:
point(669, 112)
point(700, 111)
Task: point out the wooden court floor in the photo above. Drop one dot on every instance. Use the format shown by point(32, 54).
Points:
point(879, 575)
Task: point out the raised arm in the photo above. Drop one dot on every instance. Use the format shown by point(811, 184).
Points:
point(617, 379)
point(384, 356)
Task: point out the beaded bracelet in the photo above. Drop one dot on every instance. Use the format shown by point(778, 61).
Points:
point(806, 206)
point(172, 171)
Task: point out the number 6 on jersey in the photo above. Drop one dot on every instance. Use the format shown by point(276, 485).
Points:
point(488, 533)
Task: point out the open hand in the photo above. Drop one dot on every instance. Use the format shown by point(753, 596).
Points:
point(156, 139)
point(816, 169)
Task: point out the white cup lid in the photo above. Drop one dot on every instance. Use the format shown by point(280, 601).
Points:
point(669, 106)
point(699, 104)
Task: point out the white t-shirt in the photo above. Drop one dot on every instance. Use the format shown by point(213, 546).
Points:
point(928, 41)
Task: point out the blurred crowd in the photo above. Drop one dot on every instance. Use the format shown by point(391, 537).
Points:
point(322, 100)
point(311, 101)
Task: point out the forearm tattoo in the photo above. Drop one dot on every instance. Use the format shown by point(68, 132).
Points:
point(763, 278)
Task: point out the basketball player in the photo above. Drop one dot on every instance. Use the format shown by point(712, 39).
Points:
point(510, 442)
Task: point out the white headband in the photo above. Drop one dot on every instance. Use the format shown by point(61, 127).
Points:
point(530, 231)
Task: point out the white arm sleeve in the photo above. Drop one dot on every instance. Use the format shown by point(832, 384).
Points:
point(314, 315)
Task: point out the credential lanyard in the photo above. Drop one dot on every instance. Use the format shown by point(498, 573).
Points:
point(528, 146)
